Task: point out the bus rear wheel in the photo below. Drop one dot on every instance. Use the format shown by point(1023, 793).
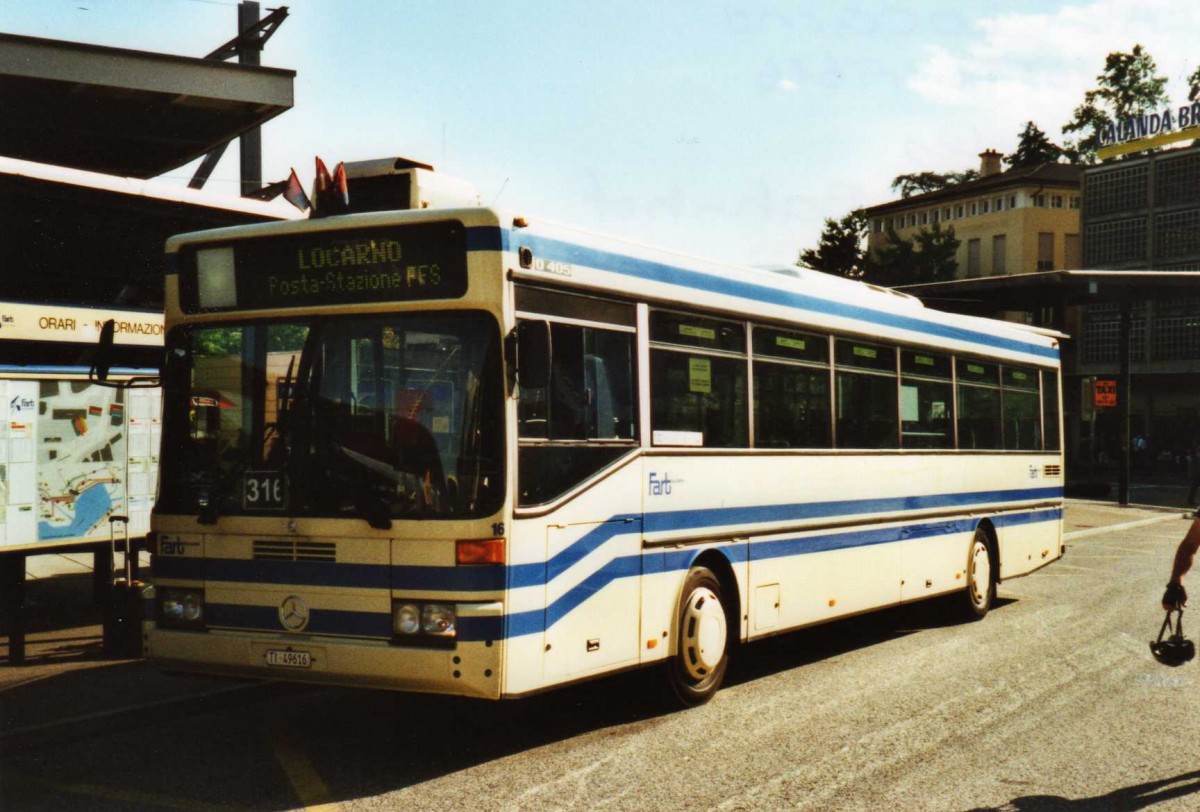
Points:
point(698, 667)
point(980, 593)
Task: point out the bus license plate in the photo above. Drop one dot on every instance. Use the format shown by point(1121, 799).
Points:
point(289, 659)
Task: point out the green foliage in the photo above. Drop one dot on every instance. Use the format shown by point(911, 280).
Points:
point(1034, 148)
point(215, 342)
point(928, 257)
point(840, 250)
point(919, 183)
point(1194, 85)
point(1127, 87)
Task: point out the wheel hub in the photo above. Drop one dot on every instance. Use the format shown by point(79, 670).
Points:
point(981, 573)
point(703, 639)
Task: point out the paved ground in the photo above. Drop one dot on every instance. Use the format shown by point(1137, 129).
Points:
point(1051, 703)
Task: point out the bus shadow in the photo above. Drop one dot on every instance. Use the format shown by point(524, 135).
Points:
point(381, 742)
point(799, 648)
point(360, 743)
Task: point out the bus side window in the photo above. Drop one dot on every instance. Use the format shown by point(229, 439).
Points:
point(569, 426)
point(590, 392)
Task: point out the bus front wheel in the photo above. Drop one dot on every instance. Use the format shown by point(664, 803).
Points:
point(980, 592)
point(698, 667)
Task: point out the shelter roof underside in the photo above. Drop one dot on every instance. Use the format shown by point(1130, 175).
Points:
point(123, 112)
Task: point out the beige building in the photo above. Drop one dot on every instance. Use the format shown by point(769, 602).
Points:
point(1018, 221)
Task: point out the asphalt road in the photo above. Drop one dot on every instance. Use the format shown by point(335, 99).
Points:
point(1053, 702)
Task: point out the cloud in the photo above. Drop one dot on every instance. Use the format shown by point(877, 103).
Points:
point(1017, 67)
point(787, 85)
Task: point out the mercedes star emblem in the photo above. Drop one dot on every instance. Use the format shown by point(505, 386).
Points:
point(293, 613)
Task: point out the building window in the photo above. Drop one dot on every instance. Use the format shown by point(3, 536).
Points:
point(1045, 260)
point(999, 202)
point(946, 213)
point(1177, 179)
point(1074, 201)
point(1012, 201)
point(1056, 201)
point(959, 211)
point(998, 247)
point(1116, 241)
point(1074, 253)
point(973, 258)
point(933, 216)
point(1039, 201)
point(924, 218)
point(912, 220)
point(1177, 234)
point(974, 208)
point(984, 207)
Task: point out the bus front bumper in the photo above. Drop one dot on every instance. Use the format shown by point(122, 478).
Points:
point(468, 669)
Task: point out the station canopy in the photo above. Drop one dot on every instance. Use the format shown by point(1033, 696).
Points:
point(991, 295)
point(129, 113)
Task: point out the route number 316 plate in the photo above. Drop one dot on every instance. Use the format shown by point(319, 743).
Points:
point(264, 490)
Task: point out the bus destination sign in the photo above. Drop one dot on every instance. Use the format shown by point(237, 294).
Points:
point(391, 263)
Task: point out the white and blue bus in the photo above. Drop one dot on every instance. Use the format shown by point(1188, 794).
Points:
point(460, 451)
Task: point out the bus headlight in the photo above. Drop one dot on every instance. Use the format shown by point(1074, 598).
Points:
point(438, 618)
point(406, 618)
point(424, 623)
point(181, 608)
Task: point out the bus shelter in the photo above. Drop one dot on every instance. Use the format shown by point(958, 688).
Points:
point(1050, 295)
point(88, 128)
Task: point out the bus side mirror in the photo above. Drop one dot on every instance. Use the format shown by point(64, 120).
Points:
point(102, 360)
point(533, 354)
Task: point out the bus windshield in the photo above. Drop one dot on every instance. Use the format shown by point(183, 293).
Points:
point(380, 417)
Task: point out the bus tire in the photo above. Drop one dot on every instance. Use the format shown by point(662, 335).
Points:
point(702, 654)
point(980, 593)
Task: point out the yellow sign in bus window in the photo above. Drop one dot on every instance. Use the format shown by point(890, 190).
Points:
point(697, 332)
point(700, 375)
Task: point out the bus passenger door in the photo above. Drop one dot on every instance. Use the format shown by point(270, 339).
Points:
point(593, 609)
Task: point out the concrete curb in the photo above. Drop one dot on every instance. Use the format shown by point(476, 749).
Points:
point(1096, 531)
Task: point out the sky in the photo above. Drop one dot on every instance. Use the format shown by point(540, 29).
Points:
point(726, 130)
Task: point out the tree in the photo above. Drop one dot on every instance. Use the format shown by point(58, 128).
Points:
point(1127, 87)
point(928, 257)
point(840, 250)
point(1194, 85)
point(918, 183)
point(1034, 148)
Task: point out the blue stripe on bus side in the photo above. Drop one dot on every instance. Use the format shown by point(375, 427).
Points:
point(1015, 519)
point(494, 578)
point(552, 249)
point(536, 621)
point(717, 517)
